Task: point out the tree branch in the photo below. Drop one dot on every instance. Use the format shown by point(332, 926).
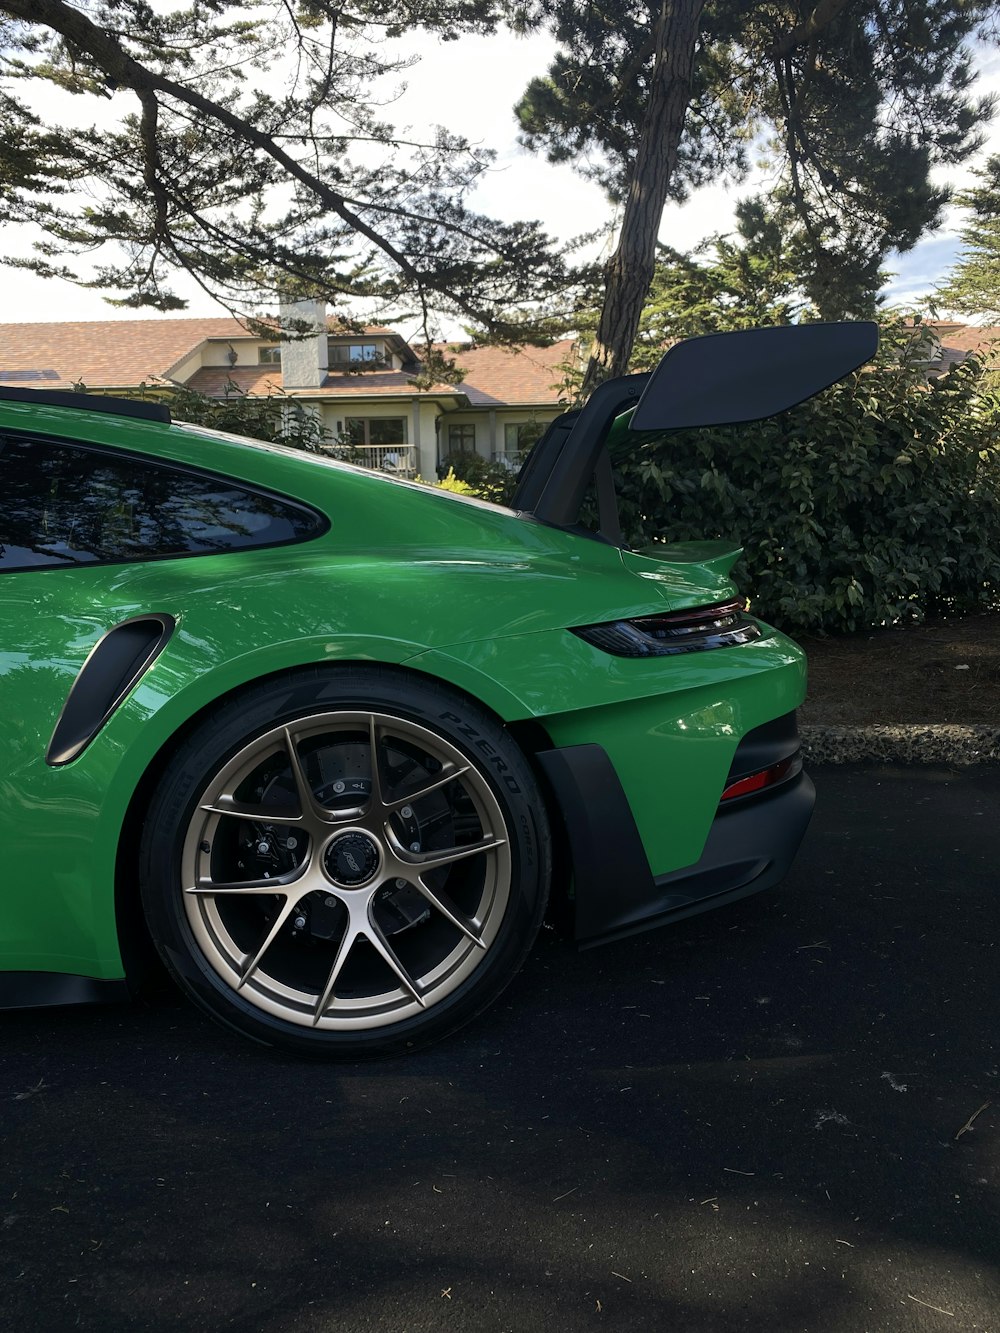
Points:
point(821, 17)
point(122, 70)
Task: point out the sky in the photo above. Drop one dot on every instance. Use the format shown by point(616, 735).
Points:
point(483, 77)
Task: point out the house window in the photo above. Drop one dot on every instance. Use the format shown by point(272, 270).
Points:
point(519, 436)
point(375, 430)
point(461, 439)
point(269, 356)
point(356, 355)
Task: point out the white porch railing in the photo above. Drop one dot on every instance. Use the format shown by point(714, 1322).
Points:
point(398, 459)
point(510, 459)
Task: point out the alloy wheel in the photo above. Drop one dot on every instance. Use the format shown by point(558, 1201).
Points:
point(347, 870)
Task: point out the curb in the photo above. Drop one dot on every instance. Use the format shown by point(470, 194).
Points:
point(928, 744)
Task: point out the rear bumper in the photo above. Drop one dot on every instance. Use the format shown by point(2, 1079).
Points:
point(750, 846)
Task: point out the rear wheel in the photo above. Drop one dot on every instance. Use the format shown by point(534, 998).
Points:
point(350, 862)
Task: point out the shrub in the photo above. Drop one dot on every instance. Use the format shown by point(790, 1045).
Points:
point(274, 417)
point(490, 481)
point(877, 502)
point(449, 482)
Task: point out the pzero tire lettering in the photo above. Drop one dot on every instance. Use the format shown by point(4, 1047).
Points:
point(484, 746)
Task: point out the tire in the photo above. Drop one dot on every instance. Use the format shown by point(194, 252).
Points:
point(313, 902)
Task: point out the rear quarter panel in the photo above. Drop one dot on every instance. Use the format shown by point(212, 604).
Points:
point(468, 594)
point(670, 725)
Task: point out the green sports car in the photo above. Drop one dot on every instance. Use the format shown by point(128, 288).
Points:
point(332, 741)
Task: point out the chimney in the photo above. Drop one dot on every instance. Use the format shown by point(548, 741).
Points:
point(304, 361)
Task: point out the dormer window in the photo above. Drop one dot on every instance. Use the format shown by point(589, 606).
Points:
point(270, 355)
point(356, 355)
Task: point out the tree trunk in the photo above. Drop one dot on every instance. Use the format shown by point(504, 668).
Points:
point(629, 271)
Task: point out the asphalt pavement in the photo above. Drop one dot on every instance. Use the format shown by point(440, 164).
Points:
point(784, 1115)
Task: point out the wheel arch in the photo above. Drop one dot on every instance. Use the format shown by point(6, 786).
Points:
point(137, 953)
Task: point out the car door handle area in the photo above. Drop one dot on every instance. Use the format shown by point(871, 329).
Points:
point(115, 664)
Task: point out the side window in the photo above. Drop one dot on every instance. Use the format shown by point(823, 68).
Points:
point(68, 504)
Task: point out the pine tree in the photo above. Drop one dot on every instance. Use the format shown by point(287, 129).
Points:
point(737, 281)
point(973, 285)
point(251, 152)
point(852, 104)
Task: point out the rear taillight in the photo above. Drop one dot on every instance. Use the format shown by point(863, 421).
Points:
point(723, 625)
point(767, 777)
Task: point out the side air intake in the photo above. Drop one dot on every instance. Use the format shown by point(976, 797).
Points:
point(116, 663)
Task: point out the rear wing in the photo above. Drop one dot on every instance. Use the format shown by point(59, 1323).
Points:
point(720, 379)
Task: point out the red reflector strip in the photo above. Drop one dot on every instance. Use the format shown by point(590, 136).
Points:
point(701, 615)
point(758, 781)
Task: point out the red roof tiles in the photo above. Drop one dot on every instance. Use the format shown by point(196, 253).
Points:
point(121, 353)
point(495, 376)
point(105, 353)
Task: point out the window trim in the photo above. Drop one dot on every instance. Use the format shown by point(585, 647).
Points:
point(366, 443)
point(380, 359)
point(169, 465)
point(459, 446)
point(518, 426)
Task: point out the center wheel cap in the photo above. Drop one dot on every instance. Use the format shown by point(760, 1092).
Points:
point(352, 859)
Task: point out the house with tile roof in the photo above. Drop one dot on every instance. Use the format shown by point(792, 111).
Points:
point(952, 342)
point(360, 384)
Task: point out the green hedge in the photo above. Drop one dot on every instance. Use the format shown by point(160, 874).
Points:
point(876, 503)
point(490, 481)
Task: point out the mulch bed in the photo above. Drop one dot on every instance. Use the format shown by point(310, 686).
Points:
point(945, 672)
